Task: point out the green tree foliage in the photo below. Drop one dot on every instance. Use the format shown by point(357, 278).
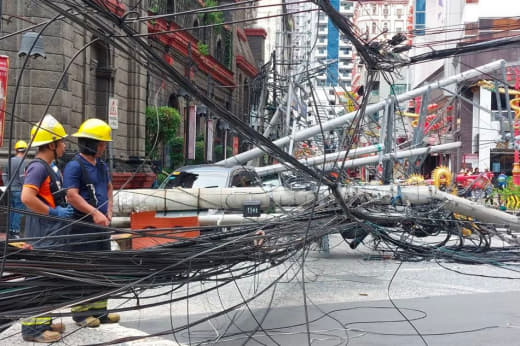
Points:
point(509, 190)
point(177, 153)
point(219, 152)
point(153, 6)
point(162, 122)
point(199, 153)
point(215, 17)
point(203, 48)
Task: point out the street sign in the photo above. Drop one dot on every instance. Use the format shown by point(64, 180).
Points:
point(4, 69)
point(113, 115)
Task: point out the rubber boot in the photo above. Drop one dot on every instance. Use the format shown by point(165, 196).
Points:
point(58, 327)
point(47, 336)
point(90, 322)
point(109, 318)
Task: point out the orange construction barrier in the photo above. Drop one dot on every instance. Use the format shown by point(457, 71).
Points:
point(147, 220)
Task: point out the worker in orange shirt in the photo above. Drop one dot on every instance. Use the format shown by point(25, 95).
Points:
point(42, 194)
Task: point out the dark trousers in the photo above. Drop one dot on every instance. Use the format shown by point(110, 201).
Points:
point(85, 239)
point(15, 218)
point(34, 326)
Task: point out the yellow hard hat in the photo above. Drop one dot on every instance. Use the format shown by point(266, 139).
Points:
point(50, 131)
point(20, 145)
point(95, 129)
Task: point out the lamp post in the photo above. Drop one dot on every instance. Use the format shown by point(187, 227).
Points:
point(187, 97)
point(224, 126)
point(202, 112)
point(32, 45)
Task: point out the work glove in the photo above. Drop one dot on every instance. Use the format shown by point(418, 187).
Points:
point(63, 212)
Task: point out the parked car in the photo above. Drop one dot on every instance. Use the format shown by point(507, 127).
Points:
point(211, 175)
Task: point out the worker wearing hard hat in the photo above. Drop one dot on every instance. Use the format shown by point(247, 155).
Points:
point(14, 180)
point(42, 194)
point(89, 191)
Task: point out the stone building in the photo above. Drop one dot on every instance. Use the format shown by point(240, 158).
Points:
point(96, 74)
point(216, 56)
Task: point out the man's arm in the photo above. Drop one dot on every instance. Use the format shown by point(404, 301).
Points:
point(79, 203)
point(30, 198)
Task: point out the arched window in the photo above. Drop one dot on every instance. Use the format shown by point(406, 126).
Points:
point(374, 27)
point(219, 51)
point(173, 101)
point(170, 6)
point(196, 30)
point(102, 69)
point(205, 31)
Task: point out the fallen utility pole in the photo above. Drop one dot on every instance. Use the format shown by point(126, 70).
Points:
point(312, 161)
point(177, 199)
point(262, 171)
point(426, 194)
point(370, 109)
point(402, 154)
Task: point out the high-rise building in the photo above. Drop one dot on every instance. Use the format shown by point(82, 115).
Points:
point(334, 48)
point(379, 21)
point(332, 51)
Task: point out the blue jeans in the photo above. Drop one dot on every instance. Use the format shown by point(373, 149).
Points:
point(15, 218)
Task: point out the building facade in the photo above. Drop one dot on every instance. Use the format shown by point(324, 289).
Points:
point(380, 20)
point(209, 48)
point(97, 73)
point(481, 120)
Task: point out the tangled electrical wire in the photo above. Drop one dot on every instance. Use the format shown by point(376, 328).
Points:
point(36, 281)
point(430, 231)
point(39, 280)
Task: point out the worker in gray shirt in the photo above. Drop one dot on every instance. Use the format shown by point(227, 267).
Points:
point(18, 169)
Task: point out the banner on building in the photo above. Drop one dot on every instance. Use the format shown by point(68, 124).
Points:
point(192, 128)
point(235, 145)
point(470, 161)
point(4, 71)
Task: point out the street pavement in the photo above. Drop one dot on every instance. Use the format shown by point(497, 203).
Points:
point(349, 300)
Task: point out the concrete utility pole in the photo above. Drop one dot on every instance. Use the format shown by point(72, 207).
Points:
point(402, 154)
point(370, 109)
point(178, 199)
point(288, 108)
point(426, 194)
point(418, 134)
point(317, 160)
point(387, 137)
point(363, 161)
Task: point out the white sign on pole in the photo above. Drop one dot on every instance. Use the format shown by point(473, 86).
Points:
point(113, 116)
